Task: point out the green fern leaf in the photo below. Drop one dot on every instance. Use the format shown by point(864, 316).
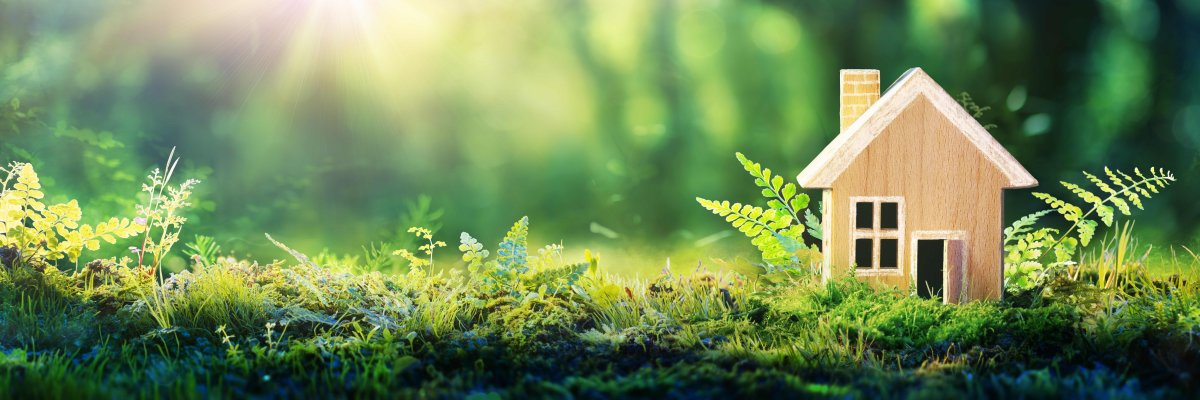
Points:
point(1121, 205)
point(1100, 184)
point(760, 225)
point(1135, 199)
point(800, 202)
point(1106, 214)
point(790, 244)
point(752, 167)
point(774, 187)
point(780, 220)
point(789, 190)
point(512, 253)
point(1087, 229)
point(1069, 211)
point(472, 251)
point(559, 279)
point(1065, 250)
point(751, 230)
point(1083, 194)
point(1023, 225)
point(1114, 178)
point(778, 223)
point(813, 224)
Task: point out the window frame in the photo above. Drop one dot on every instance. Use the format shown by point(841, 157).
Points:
point(875, 233)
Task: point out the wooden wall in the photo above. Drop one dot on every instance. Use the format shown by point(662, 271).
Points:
point(947, 185)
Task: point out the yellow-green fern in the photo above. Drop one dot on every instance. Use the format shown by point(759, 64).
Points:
point(772, 232)
point(49, 232)
point(1025, 263)
point(1123, 187)
point(778, 230)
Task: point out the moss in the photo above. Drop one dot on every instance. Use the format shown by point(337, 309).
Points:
point(973, 324)
point(521, 321)
point(314, 331)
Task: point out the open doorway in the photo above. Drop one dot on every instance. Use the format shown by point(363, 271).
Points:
point(938, 265)
point(931, 267)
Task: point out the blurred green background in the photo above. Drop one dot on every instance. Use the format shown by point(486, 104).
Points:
point(324, 121)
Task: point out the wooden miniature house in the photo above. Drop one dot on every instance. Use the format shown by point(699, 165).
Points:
point(913, 190)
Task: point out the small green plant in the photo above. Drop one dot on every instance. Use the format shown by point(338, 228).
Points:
point(512, 253)
point(1035, 256)
point(163, 223)
point(161, 213)
point(203, 249)
point(37, 231)
point(418, 211)
point(378, 257)
point(210, 295)
point(1116, 258)
point(514, 271)
point(473, 252)
point(777, 230)
point(427, 248)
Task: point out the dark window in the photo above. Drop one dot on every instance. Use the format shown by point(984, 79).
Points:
point(889, 216)
point(888, 252)
point(866, 215)
point(862, 252)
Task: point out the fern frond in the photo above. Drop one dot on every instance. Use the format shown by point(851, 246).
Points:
point(772, 232)
point(513, 253)
point(1091, 198)
point(87, 237)
point(205, 249)
point(1069, 211)
point(782, 196)
point(472, 251)
point(777, 231)
point(813, 224)
point(1025, 248)
point(1023, 225)
point(748, 219)
point(1100, 184)
point(1132, 189)
point(558, 279)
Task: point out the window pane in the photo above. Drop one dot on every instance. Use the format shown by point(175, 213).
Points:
point(862, 252)
point(889, 216)
point(865, 215)
point(889, 253)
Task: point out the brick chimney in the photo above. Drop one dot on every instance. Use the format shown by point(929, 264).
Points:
point(860, 89)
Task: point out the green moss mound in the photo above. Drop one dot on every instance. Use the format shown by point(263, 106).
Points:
point(238, 328)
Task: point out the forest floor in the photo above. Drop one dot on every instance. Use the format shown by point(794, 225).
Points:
point(321, 328)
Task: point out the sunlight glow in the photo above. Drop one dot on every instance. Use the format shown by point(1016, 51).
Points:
point(398, 69)
point(289, 48)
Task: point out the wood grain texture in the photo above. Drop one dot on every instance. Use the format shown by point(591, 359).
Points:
point(956, 253)
point(947, 183)
point(835, 158)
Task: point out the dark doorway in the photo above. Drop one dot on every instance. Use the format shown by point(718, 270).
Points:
point(931, 259)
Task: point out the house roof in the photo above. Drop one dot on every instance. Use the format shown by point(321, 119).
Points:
point(841, 152)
